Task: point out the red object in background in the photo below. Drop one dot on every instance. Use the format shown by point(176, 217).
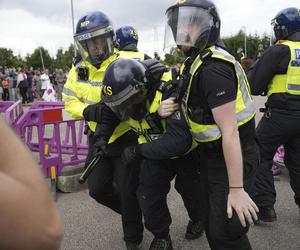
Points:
point(54, 115)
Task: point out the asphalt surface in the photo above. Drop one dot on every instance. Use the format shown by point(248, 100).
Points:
point(91, 226)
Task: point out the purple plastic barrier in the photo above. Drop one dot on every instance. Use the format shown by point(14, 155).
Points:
point(4, 105)
point(13, 113)
point(42, 105)
point(52, 150)
point(279, 156)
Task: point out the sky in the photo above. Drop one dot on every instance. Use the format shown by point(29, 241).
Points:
point(26, 25)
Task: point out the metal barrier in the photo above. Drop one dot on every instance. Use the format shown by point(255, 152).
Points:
point(59, 142)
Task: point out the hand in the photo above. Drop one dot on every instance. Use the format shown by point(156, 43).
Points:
point(154, 69)
point(167, 107)
point(100, 146)
point(93, 112)
point(131, 154)
point(100, 113)
point(245, 208)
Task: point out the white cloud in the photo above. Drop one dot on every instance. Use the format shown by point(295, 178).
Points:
point(26, 32)
point(33, 23)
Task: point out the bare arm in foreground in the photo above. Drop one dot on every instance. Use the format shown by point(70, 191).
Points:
point(29, 217)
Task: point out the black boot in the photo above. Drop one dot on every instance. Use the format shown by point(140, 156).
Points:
point(194, 230)
point(133, 246)
point(161, 244)
point(267, 214)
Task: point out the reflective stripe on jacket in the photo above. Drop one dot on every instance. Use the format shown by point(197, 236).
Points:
point(290, 81)
point(245, 109)
point(132, 54)
point(78, 94)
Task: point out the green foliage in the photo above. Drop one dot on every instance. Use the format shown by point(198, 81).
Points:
point(237, 41)
point(175, 56)
point(35, 59)
point(7, 58)
point(232, 43)
point(64, 58)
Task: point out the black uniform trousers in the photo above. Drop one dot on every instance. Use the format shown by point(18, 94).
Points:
point(114, 185)
point(282, 127)
point(155, 180)
point(223, 233)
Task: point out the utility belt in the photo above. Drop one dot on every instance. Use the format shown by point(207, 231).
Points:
point(268, 111)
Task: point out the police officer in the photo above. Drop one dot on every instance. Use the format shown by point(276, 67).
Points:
point(127, 40)
point(277, 75)
point(95, 40)
point(134, 95)
point(220, 113)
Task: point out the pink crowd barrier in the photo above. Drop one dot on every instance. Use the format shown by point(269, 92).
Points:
point(59, 142)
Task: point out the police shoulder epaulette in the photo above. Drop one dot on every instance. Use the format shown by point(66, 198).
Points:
point(165, 86)
point(76, 60)
point(205, 54)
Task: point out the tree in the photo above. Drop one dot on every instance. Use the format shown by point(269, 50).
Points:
point(175, 56)
point(237, 41)
point(8, 59)
point(64, 58)
point(35, 59)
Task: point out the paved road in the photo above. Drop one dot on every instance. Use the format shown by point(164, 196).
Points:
point(90, 226)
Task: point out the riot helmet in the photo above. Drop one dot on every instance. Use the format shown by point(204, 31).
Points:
point(127, 36)
point(94, 37)
point(125, 89)
point(192, 24)
point(286, 23)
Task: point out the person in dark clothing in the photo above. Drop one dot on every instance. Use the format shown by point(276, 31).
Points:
point(110, 183)
point(277, 75)
point(134, 94)
point(22, 84)
point(29, 89)
point(217, 104)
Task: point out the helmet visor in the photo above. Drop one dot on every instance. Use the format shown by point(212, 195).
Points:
point(95, 46)
point(187, 26)
point(133, 107)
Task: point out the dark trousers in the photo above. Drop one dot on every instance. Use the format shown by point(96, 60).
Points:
point(155, 179)
point(114, 185)
point(29, 94)
point(223, 233)
point(23, 92)
point(5, 95)
point(282, 127)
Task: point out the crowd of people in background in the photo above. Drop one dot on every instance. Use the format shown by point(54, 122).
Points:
point(31, 84)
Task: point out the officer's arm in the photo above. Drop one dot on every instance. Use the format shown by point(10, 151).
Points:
point(29, 217)
point(109, 121)
point(274, 61)
point(70, 95)
point(176, 141)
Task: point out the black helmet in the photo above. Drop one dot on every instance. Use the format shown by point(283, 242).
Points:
point(125, 89)
point(94, 37)
point(286, 23)
point(192, 23)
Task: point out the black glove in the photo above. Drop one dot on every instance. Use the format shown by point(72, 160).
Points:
point(131, 154)
point(93, 112)
point(100, 113)
point(100, 145)
point(154, 69)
